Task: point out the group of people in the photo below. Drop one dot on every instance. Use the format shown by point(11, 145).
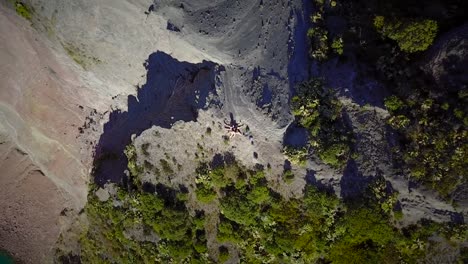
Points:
point(233, 129)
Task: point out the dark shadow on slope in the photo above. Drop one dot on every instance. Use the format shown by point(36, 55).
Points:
point(312, 180)
point(295, 136)
point(287, 165)
point(299, 63)
point(298, 67)
point(353, 183)
point(217, 161)
point(173, 91)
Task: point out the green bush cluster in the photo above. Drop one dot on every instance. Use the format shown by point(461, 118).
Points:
point(435, 140)
point(383, 196)
point(133, 167)
point(337, 45)
point(411, 35)
point(393, 103)
point(321, 41)
point(205, 194)
point(430, 119)
point(23, 10)
point(297, 156)
point(181, 236)
point(316, 109)
point(209, 179)
point(288, 176)
point(223, 254)
point(255, 221)
point(317, 228)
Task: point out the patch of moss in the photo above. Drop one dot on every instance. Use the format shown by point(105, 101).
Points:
point(23, 10)
point(79, 56)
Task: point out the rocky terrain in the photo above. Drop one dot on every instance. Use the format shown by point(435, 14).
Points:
point(81, 80)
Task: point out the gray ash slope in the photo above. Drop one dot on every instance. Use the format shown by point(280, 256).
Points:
point(252, 84)
point(261, 43)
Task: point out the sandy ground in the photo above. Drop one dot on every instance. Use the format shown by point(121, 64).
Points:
point(30, 204)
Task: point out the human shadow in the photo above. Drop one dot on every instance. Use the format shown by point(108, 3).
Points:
point(173, 91)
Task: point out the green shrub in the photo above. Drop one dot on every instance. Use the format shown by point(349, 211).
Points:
point(218, 178)
point(434, 148)
point(181, 196)
point(179, 250)
point(335, 155)
point(223, 254)
point(393, 103)
point(337, 45)
point(288, 176)
point(238, 209)
point(23, 10)
point(166, 167)
point(261, 225)
point(135, 169)
point(297, 156)
point(259, 195)
point(316, 109)
point(398, 215)
point(319, 43)
point(200, 247)
point(399, 121)
point(410, 34)
point(148, 205)
point(205, 194)
point(226, 232)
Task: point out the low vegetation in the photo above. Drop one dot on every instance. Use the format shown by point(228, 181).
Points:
point(23, 10)
point(297, 156)
point(322, 42)
point(111, 235)
point(80, 56)
point(157, 225)
point(435, 139)
point(317, 109)
point(411, 35)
